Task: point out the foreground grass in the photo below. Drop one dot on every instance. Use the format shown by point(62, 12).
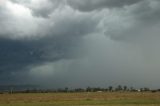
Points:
point(81, 99)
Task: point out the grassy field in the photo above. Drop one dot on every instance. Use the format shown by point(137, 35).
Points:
point(81, 99)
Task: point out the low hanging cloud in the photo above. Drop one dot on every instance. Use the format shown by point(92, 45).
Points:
point(90, 5)
point(70, 43)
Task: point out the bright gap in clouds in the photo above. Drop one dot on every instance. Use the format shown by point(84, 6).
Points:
point(17, 9)
point(2, 1)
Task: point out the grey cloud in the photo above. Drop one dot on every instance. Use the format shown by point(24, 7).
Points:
point(18, 55)
point(69, 48)
point(21, 1)
point(133, 21)
point(63, 40)
point(89, 5)
point(46, 9)
point(147, 11)
point(75, 26)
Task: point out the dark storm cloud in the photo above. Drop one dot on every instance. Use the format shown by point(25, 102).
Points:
point(51, 40)
point(63, 40)
point(18, 54)
point(90, 5)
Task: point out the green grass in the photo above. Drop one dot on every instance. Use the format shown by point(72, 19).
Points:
point(81, 99)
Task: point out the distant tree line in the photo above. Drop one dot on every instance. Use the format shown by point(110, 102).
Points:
point(119, 88)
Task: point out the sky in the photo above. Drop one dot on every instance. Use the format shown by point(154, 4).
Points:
point(80, 43)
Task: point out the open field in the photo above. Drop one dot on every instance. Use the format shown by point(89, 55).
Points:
point(81, 99)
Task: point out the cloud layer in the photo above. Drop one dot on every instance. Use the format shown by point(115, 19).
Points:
point(107, 42)
point(90, 5)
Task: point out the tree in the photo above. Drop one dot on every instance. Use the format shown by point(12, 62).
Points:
point(125, 88)
point(119, 88)
point(89, 89)
point(66, 89)
point(110, 88)
point(132, 89)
